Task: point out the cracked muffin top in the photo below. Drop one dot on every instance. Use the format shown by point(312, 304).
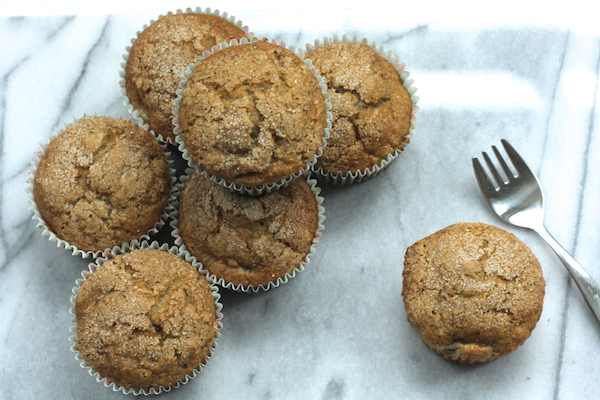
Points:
point(145, 319)
point(101, 183)
point(474, 292)
point(371, 108)
point(160, 55)
point(252, 114)
point(248, 240)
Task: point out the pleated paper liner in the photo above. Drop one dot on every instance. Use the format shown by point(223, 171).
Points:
point(278, 281)
point(110, 254)
point(198, 10)
point(265, 187)
point(46, 231)
point(350, 177)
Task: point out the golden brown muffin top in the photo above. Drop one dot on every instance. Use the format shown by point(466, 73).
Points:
point(248, 240)
point(145, 319)
point(371, 108)
point(474, 292)
point(252, 114)
point(101, 183)
point(160, 55)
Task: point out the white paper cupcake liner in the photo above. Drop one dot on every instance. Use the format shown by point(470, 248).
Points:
point(254, 190)
point(250, 288)
point(63, 243)
point(198, 10)
point(358, 176)
point(110, 254)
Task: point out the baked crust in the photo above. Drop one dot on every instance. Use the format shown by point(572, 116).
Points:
point(159, 57)
point(145, 319)
point(101, 183)
point(248, 240)
point(252, 114)
point(371, 108)
point(474, 292)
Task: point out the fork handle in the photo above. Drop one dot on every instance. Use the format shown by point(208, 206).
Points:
point(588, 287)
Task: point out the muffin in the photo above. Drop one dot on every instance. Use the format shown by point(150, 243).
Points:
point(372, 110)
point(146, 320)
point(160, 55)
point(252, 114)
point(249, 242)
point(474, 292)
point(101, 183)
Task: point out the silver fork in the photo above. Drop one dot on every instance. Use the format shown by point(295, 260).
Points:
point(520, 201)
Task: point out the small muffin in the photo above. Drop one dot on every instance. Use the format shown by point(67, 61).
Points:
point(248, 241)
point(145, 319)
point(474, 292)
point(252, 114)
point(101, 183)
point(160, 55)
point(371, 108)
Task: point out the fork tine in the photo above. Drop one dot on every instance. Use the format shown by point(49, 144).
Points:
point(516, 159)
point(507, 170)
point(493, 169)
point(484, 182)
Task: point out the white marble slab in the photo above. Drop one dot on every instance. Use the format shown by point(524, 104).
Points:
point(338, 330)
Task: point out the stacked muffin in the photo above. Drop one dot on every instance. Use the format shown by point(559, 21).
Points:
point(251, 118)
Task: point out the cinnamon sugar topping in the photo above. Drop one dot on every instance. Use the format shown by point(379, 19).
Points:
point(159, 57)
point(371, 108)
point(145, 319)
point(101, 183)
point(248, 240)
point(252, 114)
